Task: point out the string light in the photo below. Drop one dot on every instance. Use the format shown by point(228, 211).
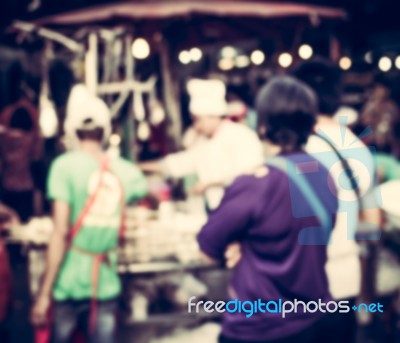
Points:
point(385, 64)
point(345, 63)
point(184, 57)
point(257, 57)
point(140, 49)
point(242, 61)
point(305, 52)
point(285, 60)
point(195, 54)
point(226, 64)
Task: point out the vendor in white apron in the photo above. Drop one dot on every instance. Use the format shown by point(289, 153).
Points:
point(229, 150)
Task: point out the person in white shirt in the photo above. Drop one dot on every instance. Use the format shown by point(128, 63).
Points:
point(343, 267)
point(228, 150)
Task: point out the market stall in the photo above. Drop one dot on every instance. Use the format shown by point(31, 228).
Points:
point(137, 57)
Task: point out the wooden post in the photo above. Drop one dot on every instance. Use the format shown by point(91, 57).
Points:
point(170, 91)
point(91, 64)
point(130, 121)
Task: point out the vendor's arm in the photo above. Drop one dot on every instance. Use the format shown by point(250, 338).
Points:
point(182, 163)
point(151, 166)
point(230, 222)
point(175, 165)
point(135, 183)
point(59, 188)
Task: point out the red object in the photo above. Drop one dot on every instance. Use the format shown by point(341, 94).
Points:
point(100, 258)
point(165, 194)
point(42, 334)
point(5, 282)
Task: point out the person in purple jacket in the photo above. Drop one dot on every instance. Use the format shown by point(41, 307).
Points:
point(271, 219)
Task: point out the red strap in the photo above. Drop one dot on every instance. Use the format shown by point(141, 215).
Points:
point(95, 283)
point(89, 203)
point(97, 259)
point(122, 228)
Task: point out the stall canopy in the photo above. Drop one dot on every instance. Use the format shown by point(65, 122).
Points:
point(168, 9)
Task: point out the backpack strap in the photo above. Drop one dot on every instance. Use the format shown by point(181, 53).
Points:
point(289, 168)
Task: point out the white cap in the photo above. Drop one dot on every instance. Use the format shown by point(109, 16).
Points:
point(85, 111)
point(207, 97)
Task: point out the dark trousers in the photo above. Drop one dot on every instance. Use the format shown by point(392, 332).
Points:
point(20, 202)
point(70, 315)
point(346, 324)
point(321, 332)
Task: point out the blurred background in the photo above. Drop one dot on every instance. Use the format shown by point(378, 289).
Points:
point(137, 56)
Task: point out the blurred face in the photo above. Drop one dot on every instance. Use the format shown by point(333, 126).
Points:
point(206, 125)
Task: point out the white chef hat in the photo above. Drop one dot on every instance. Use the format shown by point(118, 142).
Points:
point(207, 97)
point(86, 111)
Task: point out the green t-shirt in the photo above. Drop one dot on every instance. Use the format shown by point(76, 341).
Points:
point(73, 177)
point(389, 166)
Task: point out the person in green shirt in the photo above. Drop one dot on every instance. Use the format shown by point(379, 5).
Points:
point(89, 192)
point(388, 167)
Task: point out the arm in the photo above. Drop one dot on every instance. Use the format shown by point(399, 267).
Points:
point(55, 256)
point(230, 222)
point(136, 184)
point(10, 218)
point(150, 166)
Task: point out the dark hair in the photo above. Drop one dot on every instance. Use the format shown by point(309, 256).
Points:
point(324, 78)
point(22, 120)
point(93, 135)
point(90, 133)
point(286, 109)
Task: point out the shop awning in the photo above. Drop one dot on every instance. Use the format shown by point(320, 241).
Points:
point(173, 9)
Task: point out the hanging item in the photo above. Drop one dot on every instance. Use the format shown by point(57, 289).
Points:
point(48, 120)
point(138, 106)
point(143, 131)
point(157, 114)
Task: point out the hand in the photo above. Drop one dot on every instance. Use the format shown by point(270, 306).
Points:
point(233, 254)
point(40, 311)
point(199, 188)
point(8, 218)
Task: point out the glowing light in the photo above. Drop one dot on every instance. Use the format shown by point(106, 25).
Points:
point(228, 52)
point(385, 64)
point(305, 52)
point(257, 57)
point(195, 54)
point(285, 60)
point(345, 63)
point(397, 62)
point(226, 64)
point(184, 57)
point(368, 57)
point(140, 49)
point(242, 61)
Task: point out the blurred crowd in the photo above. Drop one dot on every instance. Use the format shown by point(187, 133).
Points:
point(300, 193)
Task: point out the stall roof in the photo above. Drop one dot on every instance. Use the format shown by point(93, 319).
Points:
point(172, 9)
